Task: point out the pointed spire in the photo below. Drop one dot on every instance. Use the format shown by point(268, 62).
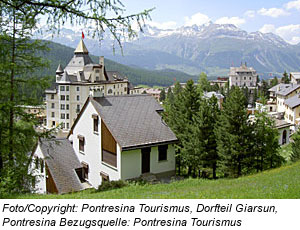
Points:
point(81, 48)
point(59, 69)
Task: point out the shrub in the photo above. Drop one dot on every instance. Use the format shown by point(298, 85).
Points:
point(108, 185)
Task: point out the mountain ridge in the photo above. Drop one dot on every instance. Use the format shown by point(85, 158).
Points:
point(212, 48)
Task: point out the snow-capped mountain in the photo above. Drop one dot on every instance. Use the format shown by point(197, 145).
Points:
point(210, 47)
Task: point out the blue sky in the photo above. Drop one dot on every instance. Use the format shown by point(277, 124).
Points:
point(281, 17)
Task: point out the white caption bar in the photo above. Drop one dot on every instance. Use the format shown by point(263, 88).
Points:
point(149, 214)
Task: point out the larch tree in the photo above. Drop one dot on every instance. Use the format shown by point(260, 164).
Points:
point(19, 60)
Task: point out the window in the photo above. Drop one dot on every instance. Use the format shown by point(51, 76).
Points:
point(125, 89)
point(162, 152)
point(109, 91)
point(52, 105)
point(68, 116)
point(52, 114)
point(62, 106)
point(83, 172)
point(244, 78)
point(67, 97)
point(97, 71)
point(81, 143)
point(114, 86)
point(62, 116)
point(67, 106)
point(104, 176)
point(67, 88)
point(53, 123)
point(78, 109)
point(95, 122)
point(42, 166)
point(62, 88)
point(52, 96)
point(68, 125)
point(62, 97)
point(63, 125)
point(78, 98)
point(77, 88)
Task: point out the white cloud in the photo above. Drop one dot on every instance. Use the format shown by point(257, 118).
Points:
point(290, 33)
point(273, 12)
point(163, 25)
point(196, 19)
point(293, 5)
point(250, 13)
point(233, 20)
point(268, 28)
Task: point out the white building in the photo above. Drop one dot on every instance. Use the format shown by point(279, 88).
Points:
point(67, 95)
point(295, 77)
point(243, 76)
point(113, 138)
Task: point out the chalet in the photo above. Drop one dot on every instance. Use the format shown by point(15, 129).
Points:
point(112, 138)
point(292, 109)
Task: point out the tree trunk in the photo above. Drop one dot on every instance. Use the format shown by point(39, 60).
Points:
point(12, 95)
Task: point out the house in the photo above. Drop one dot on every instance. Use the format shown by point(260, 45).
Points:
point(295, 77)
point(292, 109)
point(284, 92)
point(219, 96)
point(56, 167)
point(112, 138)
point(221, 82)
point(243, 76)
point(67, 95)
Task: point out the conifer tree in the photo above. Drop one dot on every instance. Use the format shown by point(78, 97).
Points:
point(162, 95)
point(232, 133)
point(204, 139)
point(203, 83)
point(295, 156)
point(265, 139)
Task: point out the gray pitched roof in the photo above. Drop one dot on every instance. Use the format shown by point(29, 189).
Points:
point(277, 87)
point(286, 89)
point(133, 120)
point(293, 101)
point(62, 162)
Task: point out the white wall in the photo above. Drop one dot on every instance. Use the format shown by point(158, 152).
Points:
point(92, 148)
point(132, 162)
point(280, 131)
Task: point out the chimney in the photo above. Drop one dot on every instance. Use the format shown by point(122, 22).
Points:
point(101, 62)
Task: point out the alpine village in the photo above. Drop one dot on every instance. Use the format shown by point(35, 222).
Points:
point(89, 129)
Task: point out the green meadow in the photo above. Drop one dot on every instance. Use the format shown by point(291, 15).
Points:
point(283, 182)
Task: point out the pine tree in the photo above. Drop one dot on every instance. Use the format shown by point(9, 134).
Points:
point(232, 133)
point(204, 139)
point(203, 83)
point(265, 140)
point(285, 79)
point(162, 95)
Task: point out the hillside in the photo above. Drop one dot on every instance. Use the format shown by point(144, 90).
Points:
point(282, 182)
point(62, 54)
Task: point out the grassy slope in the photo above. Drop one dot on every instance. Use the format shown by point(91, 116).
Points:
point(277, 183)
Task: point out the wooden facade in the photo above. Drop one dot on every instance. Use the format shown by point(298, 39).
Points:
point(109, 146)
point(50, 184)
